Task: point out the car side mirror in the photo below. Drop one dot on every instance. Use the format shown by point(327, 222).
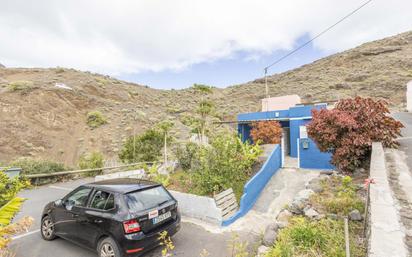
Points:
point(69, 204)
point(58, 202)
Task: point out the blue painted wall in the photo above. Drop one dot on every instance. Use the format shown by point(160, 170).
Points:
point(295, 134)
point(256, 184)
point(312, 157)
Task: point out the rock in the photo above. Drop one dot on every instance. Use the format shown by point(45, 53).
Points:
point(282, 225)
point(355, 215)
point(269, 237)
point(315, 185)
point(304, 195)
point(326, 172)
point(2, 66)
point(332, 216)
point(273, 226)
point(296, 207)
point(283, 216)
point(311, 213)
point(262, 250)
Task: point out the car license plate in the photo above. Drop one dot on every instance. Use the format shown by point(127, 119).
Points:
point(162, 217)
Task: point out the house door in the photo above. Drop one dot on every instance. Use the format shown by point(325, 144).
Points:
point(286, 136)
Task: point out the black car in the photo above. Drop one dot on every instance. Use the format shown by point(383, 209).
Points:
point(119, 217)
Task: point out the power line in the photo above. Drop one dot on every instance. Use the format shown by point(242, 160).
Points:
point(311, 40)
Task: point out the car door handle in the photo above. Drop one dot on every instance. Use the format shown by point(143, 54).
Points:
point(98, 221)
point(75, 215)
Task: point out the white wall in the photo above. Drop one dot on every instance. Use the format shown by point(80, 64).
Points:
point(198, 207)
point(409, 96)
point(280, 103)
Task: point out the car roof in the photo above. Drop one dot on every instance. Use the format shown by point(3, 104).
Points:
point(123, 185)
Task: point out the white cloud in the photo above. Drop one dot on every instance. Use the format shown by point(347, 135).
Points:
point(128, 36)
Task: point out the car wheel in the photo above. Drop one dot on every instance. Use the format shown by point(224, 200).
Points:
point(47, 229)
point(108, 248)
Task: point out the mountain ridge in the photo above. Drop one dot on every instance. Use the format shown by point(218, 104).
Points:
point(41, 119)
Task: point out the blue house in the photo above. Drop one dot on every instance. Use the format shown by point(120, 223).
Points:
point(295, 142)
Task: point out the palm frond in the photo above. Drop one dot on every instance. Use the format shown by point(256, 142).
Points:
point(8, 211)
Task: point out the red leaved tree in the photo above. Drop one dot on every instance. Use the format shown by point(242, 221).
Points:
point(267, 132)
point(349, 129)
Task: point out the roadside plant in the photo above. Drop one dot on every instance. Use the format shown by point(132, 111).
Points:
point(237, 247)
point(95, 119)
point(154, 174)
point(349, 129)
point(266, 132)
point(166, 242)
point(10, 187)
point(143, 148)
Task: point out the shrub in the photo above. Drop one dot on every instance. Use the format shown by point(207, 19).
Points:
point(186, 155)
point(226, 163)
point(10, 187)
point(21, 85)
point(143, 148)
point(349, 129)
point(267, 132)
point(37, 166)
point(91, 161)
point(96, 119)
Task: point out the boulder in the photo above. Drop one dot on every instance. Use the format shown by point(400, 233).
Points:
point(311, 213)
point(269, 237)
point(297, 206)
point(315, 185)
point(355, 215)
point(304, 194)
point(2, 66)
point(283, 216)
point(262, 250)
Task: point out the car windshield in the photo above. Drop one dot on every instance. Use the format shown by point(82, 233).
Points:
point(147, 199)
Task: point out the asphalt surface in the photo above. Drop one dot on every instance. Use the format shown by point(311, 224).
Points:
point(189, 241)
point(405, 140)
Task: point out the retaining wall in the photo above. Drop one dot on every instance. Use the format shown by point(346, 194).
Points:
point(256, 184)
point(198, 207)
point(386, 235)
point(123, 174)
point(409, 96)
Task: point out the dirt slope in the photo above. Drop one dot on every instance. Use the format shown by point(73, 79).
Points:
point(46, 121)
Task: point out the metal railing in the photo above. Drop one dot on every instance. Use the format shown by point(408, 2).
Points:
point(71, 172)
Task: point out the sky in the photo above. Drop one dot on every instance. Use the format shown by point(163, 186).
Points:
point(175, 43)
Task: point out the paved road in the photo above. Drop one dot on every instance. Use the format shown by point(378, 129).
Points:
point(406, 139)
point(189, 241)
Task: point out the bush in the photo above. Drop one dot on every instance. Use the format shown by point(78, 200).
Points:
point(186, 155)
point(10, 187)
point(91, 161)
point(349, 129)
point(96, 119)
point(37, 166)
point(143, 148)
point(226, 163)
point(267, 132)
point(21, 85)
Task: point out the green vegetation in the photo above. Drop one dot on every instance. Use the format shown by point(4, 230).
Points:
point(143, 148)
point(91, 161)
point(325, 236)
point(37, 166)
point(9, 206)
point(96, 119)
point(322, 238)
point(157, 177)
point(339, 196)
point(225, 163)
point(20, 85)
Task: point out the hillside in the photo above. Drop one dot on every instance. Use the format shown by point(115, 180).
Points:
point(41, 120)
